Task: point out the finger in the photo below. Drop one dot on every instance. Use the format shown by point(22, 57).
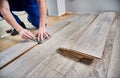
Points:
point(38, 37)
point(24, 37)
point(46, 36)
point(31, 35)
point(27, 35)
point(41, 37)
point(24, 34)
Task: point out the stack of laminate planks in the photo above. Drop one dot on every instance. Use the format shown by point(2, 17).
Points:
point(91, 43)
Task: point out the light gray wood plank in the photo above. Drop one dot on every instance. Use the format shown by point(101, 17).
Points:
point(60, 63)
point(92, 42)
point(42, 71)
point(114, 68)
point(72, 39)
point(100, 66)
point(61, 24)
point(10, 54)
point(78, 70)
point(26, 63)
point(68, 43)
point(13, 52)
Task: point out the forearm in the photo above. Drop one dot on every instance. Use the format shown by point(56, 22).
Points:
point(43, 13)
point(10, 19)
point(5, 11)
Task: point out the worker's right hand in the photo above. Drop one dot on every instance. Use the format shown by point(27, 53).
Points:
point(26, 34)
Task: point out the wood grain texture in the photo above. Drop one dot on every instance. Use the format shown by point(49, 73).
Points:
point(59, 62)
point(78, 70)
point(15, 51)
point(92, 42)
point(21, 67)
point(100, 66)
point(68, 43)
point(114, 68)
point(39, 62)
point(61, 24)
point(42, 71)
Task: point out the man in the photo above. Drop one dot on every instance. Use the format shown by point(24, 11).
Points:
point(36, 10)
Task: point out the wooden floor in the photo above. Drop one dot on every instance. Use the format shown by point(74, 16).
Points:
point(10, 40)
point(90, 40)
point(45, 61)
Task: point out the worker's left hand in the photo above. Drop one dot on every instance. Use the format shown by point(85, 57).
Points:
point(42, 34)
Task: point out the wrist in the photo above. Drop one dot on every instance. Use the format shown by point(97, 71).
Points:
point(19, 28)
point(42, 26)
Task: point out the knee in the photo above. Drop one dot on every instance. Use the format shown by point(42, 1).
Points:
point(35, 23)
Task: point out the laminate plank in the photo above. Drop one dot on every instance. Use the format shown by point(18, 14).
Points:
point(68, 43)
point(92, 42)
point(61, 24)
point(13, 52)
point(100, 66)
point(57, 61)
point(114, 67)
point(18, 49)
point(21, 67)
point(42, 71)
point(78, 70)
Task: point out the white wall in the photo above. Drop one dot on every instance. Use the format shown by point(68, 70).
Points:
point(92, 6)
point(52, 7)
point(59, 7)
point(56, 7)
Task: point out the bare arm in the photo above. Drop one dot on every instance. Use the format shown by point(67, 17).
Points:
point(5, 11)
point(43, 15)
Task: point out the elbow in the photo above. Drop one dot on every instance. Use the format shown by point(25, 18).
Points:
point(4, 11)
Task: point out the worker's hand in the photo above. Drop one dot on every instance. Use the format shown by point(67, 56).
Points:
point(26, 34)
point(42, 34)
